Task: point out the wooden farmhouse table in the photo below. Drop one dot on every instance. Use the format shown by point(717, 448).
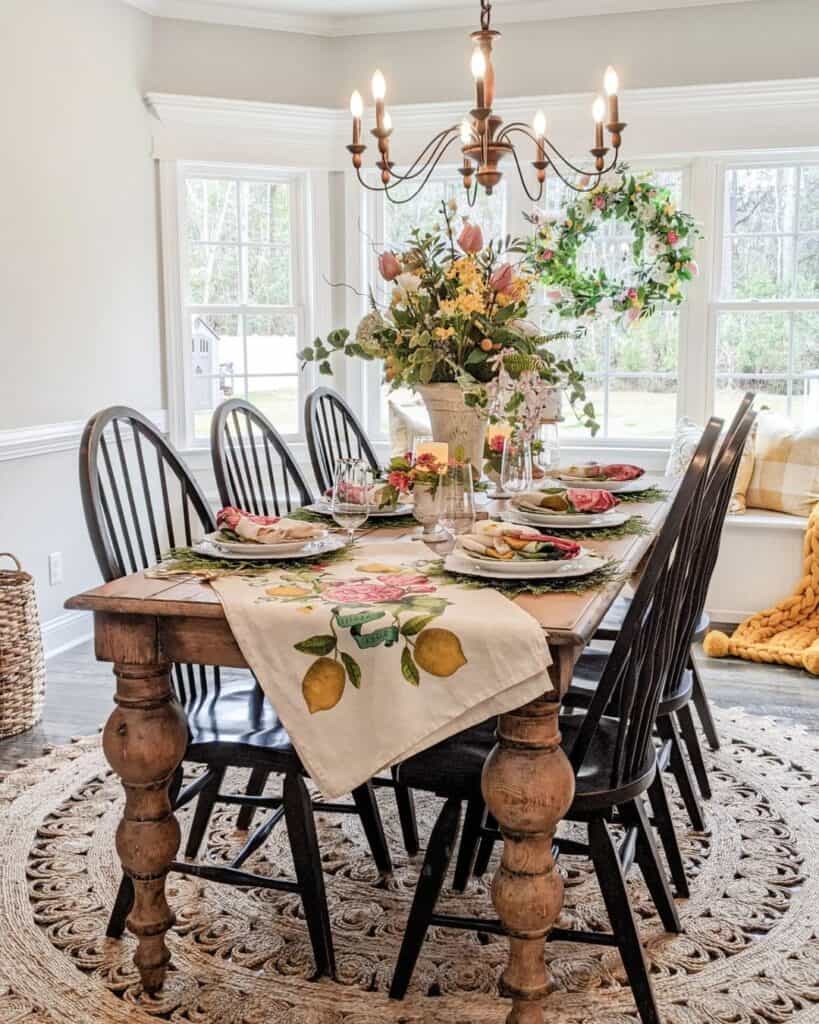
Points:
point(144, 625)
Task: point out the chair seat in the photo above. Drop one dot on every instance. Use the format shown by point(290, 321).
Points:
point(613, 622)
point(589, 669)
point(235, 724)
point(453, 768)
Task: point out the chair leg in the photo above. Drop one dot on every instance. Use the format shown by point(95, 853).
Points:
point(301, 829)
point(255, 787)
point(648, 857)
point(615, 896)
point(370, 816)
point(125, 894)
point(470, 837)
point(431, 881)
point(664, 824)
point(709, 726)
point(204, 809)
point(667, 728)
point(406, 815)
point(485, 850)
point(692, 745)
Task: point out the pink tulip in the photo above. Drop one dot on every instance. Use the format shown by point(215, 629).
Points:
point(693, 268)
point(585, 179)
point(547, 255)
point(673, 238)
point(471, 238)
point(502, 279)
point(389, 266)
point(633, 314)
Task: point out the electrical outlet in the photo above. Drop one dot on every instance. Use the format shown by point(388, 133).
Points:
point(55, 568)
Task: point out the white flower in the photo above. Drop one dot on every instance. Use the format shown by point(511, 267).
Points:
point(605, 308)
point(525, 327)
point(405, 285)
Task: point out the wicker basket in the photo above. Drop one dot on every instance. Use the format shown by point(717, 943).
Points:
point(22, 666)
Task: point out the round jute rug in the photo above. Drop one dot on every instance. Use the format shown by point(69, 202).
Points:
point(749, 953)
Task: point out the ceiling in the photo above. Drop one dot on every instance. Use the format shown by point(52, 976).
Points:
point(356, 17)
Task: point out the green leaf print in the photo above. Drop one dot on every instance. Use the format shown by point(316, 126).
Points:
point(320, 645)
point(414, 625)
point(353, 669)
point(408, 668)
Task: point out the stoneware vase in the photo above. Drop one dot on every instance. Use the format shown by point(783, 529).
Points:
point(453, 422)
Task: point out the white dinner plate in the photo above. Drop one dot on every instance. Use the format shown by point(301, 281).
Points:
point(310, 549)
point(323, 509)
point(566, 520)
point(642, 483)
point(245, 548)
point(585, 563)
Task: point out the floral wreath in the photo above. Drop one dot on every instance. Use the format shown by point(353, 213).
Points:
point(663, 251)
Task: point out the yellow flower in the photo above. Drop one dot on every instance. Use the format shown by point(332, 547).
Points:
point(463, 305)
point(669, 209)
point(442, 333)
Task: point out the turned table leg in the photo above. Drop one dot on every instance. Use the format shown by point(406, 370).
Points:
point(528, 786)
point(144, 741)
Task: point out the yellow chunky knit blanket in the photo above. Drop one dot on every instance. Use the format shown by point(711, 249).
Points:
point(787, 634)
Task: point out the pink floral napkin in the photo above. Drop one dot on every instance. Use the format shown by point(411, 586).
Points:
point(374, 658)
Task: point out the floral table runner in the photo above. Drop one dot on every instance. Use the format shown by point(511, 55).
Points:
point(371, 659)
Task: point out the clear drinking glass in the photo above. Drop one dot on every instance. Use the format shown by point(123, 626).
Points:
point(349, 504)
point(516, 466)
point(548, 457)
point(457, 500)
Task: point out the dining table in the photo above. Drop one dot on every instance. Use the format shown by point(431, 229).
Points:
point(143, 624)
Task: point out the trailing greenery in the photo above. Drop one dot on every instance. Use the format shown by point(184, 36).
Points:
point(187, 562)
point(650, 496)
point(633, 527)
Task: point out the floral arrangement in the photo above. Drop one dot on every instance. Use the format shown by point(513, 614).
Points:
point(662, 250)
point(458, 314)
point(405, 472)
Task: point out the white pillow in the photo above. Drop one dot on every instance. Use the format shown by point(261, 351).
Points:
point(686, 438)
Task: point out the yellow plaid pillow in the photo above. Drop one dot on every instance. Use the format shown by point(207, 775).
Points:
point(786, 468)
point(745, 474)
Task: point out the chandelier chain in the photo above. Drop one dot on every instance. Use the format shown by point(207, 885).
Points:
point(486, 15)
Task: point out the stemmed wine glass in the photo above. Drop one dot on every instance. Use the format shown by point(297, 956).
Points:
point(350, 503)
point(516, 466)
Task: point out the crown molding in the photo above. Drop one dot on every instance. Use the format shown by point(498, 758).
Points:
point(48, 438)
point(251, 15)
point(740, 97)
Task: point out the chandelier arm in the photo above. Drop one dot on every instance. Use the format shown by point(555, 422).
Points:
point(386, 189)
point(414, 171)
point(581, 170)
point(532, 198)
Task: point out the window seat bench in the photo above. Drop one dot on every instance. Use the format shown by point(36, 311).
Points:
point(760, 563)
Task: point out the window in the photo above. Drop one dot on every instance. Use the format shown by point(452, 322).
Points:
point(767, 312)
point(393, 224)
point(632, 374)
point(243, 297)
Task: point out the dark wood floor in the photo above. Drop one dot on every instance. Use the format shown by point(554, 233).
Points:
point(80, 689)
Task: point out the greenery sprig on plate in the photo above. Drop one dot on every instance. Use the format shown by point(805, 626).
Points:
point(610, 572)
point(634, 527)
point(650, 496)
point(187, 562)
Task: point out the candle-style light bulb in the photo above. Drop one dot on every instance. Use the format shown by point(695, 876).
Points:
point(387, 121)
point(539, 124)
point(356, 109)
point(611, 83)
point(379, 86)
point(466, 132)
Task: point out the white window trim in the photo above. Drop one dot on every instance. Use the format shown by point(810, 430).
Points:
point(310, 256)
point(717, 304)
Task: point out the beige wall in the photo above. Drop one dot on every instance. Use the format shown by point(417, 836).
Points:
point(768, 39)
point(79, 321)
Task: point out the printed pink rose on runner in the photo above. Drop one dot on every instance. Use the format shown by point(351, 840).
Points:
point(385, 588)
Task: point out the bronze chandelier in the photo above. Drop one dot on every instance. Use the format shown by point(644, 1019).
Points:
point(485, 139)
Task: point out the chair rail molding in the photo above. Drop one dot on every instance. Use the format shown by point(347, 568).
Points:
point(705, 116)
point(48, 438)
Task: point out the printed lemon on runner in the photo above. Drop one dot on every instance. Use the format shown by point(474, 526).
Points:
point(439, 652)
point(323, 685)
point(288, 591)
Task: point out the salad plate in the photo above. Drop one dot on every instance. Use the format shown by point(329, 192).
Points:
point(642, 483)
point(269, 552)
point(323, 508)
point(566, 520)
point(245, 548)
point(524, 569)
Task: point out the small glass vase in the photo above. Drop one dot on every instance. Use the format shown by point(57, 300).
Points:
point(548, 456)
point(516, 466)
point(426, 510)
